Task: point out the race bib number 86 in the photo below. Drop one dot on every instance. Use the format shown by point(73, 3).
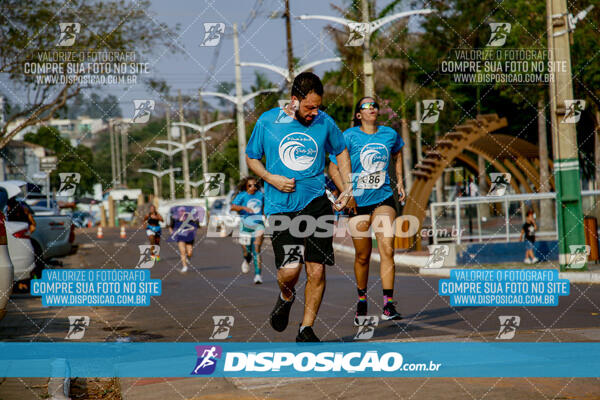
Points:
point(371, 181)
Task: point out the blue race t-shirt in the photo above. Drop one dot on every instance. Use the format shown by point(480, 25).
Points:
point(370, 156)
point(252, 201)
point(294, 151)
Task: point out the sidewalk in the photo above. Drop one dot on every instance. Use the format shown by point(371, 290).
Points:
point(372, 388)
point(416, 261)
point(23, 388)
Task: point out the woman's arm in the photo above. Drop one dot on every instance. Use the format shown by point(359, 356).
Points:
point(235, 207)
point(399, 182)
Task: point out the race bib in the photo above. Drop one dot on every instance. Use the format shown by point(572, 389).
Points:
point(371, 181)
point(244, 239)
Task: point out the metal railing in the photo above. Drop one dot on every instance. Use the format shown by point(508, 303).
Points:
point(461, 202)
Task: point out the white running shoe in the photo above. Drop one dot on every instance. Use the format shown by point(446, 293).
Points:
point(245, 267)
point(184, 269)
point(258, 279)
point(535, 259)
point(527, 261)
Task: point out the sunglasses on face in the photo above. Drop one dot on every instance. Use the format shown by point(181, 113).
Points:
point(369, 105)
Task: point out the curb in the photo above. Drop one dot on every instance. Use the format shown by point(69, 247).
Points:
point(420, 261)
point(59, 388)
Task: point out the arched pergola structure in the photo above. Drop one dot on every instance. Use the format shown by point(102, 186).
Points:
point(504, 152)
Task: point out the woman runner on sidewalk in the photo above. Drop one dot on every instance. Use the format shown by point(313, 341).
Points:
point(371, 148)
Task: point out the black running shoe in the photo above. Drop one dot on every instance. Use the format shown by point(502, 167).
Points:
point(307, 335)
point(281, 313)
point(361, 311)
point(390, 313)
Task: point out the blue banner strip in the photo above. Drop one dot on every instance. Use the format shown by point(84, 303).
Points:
point(228, 359)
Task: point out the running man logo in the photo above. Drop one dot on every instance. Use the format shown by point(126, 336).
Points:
point(500, 31)
point(358, 33)
point(207, 359)
point(283, 117)
point(508, 326)
point(68, 33)
point(293, 255)
point(186, 227)
point(68, 183)
point(223, 324)
point(213, 182)
point(578, 256)
point(573, 110)
point(438, 253)
point(77, 325)
point(500, 181)
point(432, 109)
point(146, 260)
point(366, 326)
point(142, 109)
point(213, 31)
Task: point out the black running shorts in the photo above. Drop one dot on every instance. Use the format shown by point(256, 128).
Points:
point(314, 247)
point(367, 210)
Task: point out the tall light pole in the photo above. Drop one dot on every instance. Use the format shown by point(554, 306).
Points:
point(367, 61)
point(170, 153)
point(124, 130)
point(239, 107)
point(564, 136)
point(158, 175)
point(183, 148)
point(185, 161)
point(113, 168)
point(239, 102)
point(289, 76)
point(202, 129)
point(368, 28)
point(172, 173)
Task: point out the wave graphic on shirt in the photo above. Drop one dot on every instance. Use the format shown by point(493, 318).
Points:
point(296, 155)
point(372, 160)
point(255, 205)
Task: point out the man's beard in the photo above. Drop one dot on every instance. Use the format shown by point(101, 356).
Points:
point(303, 120)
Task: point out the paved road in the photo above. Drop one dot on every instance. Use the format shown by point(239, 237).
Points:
point(216, 286)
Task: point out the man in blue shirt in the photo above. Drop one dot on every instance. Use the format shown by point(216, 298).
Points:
point(295, 149)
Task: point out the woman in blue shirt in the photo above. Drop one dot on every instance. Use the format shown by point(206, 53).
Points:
point(249, 203)
point(371, 148)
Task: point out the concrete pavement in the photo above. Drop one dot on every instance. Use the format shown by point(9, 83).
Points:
point(216, 286)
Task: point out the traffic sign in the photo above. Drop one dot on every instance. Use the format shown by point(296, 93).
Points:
point(48, 163)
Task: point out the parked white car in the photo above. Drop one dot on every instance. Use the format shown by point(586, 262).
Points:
point(6, 266)
point(20, 249)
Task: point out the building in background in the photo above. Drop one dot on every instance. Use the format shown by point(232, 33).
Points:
point(79, 130)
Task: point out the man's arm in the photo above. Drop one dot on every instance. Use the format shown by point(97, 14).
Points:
point(345, 172)
point(334, 173)
point(281, 183)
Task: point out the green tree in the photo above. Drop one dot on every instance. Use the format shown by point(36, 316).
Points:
point(30, 27)
point(70, 159)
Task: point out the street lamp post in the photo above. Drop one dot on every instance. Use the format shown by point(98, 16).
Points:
point(170, 153)
point(569, 212)
point(239, 102)
point(202, 129)
point(368, 28)
point(158, 175)
point(285, 72)
point(183, 148)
